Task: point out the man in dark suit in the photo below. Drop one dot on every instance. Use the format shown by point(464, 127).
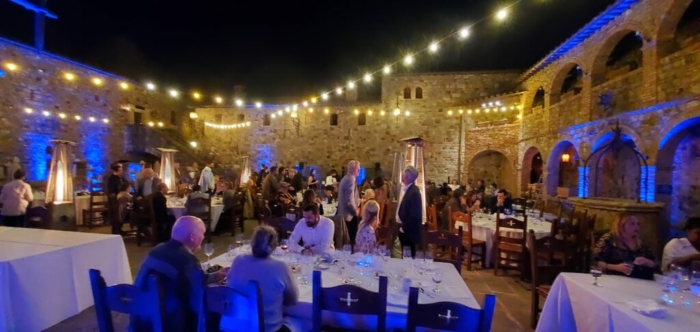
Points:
point(115, 179)
point(501, 202)
point(349, 199)
point(270, 186)
point(410, 212)
point(181, 276)
point(160, 211)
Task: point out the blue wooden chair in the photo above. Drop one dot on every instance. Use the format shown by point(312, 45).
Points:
point(126, 299)
point(246, 307)
point(449, 316)
point(348, 299)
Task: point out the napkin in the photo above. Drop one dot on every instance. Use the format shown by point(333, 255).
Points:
point(397, 299)
point(648, 307)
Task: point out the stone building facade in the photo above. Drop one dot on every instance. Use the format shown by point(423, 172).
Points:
point(636, 65)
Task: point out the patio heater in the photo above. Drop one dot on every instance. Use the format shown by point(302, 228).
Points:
point(59, 188)
point(415, 156)
point(167, 168)
point(245, 174)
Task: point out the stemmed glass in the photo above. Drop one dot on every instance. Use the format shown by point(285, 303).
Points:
point(407, 259)
point(429, 261)
point(382, 251)
point(418, 262)
point(437, 279)
point(596, 274)
point(208, 250)
point(347, 252)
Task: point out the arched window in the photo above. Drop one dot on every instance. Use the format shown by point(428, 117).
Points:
point(419, 93)
point(538, 101)
point(361, 119)
point(407, 93)
point(334, 119)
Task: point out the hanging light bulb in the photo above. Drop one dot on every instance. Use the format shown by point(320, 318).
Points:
point(357, 112)
point(326, 111)
point(463, 33)
point(407, 113)
point(279, 112)
point(351, 85)
point(408, 60)
point(382, 113)
point(305, 103)
point(502, 14)
point(160, 124)
point(196, 95)
point(218, 100)
point(397, 112)
point(288, 109)
point(272, 115)
point(433, 47)
point(69, 76)
point(78, 117)
point(339, 91)
point(469, 111)
point(311, 110)
point(258, 104)
point(151, 124)
point(97, 81)
point(239, 102)
point(92, 119)
point(369, 112)
point(368, 78)
point(150, 86)
point(313, 100)
point(387, 70)
point(174, 93)
point(324, 96)
point(295, 108)
point(46, 113)
point(11, 66)
point(193, 115)
point(62, 115)
point(449, 112)
point(105, 120)
point(28, 110)
point(124, 85)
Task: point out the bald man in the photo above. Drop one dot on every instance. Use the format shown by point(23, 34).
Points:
point(181, 275)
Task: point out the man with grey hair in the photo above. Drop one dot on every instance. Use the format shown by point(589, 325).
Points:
point(409, 215)
point(180, 274)
point(349, 199)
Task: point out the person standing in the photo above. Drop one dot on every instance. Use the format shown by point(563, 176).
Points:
point(115, 179)
point(270, 186)
point(206, 179)
point(409, 215)
point(349, 199)
point(147, 184)
point(15, 197)
point(297, 182)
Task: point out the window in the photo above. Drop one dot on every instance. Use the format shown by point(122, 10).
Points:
point(173, 118)
point(138, 117)
point(218, 118)
point(407, 93)
point(361, 119)
point(419, 93)
point(241, 118)
point(334, 119)
point(266, 120)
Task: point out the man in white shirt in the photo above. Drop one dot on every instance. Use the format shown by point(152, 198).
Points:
point(15, 197)
point(683, 251)
point(313, 234)
point(206, 179)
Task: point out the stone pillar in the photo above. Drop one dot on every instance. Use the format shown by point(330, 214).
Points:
point(650, 77)
point(586, 99)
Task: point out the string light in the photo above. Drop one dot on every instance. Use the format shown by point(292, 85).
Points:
point(387, 70)
point(502, 14)
point(407, 113)
point(151, 124)
point(258, 104)
point(463, 33)
point(351, 85)
point(62, 115)
point(78, 117)
point(433, 47)
point(487, 110)
point(305, 103)
point(193, 115)
point(368, 77)
point(311, 110)
point(313, 100)
point(498, 103)
point(174, 93)
point(325, 111)
point(369, 112)
point(105, 120)
point(408, 60)
point(11, 66)
point(339, 91)
point(469, 111)
point(218, 100)
point(503, 109)
point(397, 112)
point(92, 119)
point(193, 144)
point(46, 113)
point(273, 115)
point(69, 76)
point(227, 126)
point(477, 111)
point(150, 86)
point(97, 81)
point(449, 112)
point(381, 113)
point(294, 108)
point(280, 112)
point(239, 102)
point(124, 85)
point(160, 124)
point(357, 112)
point(294, 114)
point(324, 96)
point(519, 116)
point(461, 111)
point(28, 110)
point(196, 95)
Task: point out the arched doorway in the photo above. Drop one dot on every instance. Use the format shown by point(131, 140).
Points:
point(532, 168)
point(492, 167)
point(562, 169)
point(677, 176)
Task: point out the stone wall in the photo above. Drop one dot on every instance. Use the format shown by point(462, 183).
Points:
point(685, 201)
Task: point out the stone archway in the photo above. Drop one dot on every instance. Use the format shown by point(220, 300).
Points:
point(492, 167)
point(569, 79)
point(532, 168)
point(677, 179)
point(563, 172)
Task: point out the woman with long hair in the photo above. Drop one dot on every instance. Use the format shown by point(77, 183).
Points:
point(312, 183)
point(622, 252)
point(366, 240)
point(310, 197)
point(380, 190)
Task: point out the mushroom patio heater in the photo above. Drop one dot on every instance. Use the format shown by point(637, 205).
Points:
point(59, 188)
point(167, 168)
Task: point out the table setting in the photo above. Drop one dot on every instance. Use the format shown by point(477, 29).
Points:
point(176, 207)
point(437, 281)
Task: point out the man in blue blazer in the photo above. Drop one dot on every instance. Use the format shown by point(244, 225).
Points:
point(409, 215)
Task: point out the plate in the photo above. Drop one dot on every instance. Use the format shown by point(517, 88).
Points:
point(322, 266)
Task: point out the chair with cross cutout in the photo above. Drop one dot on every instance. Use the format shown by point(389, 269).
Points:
point(509, 244)
point(351, 300)
point(244, 309)
point(469, 243)
point(543, 273)
point(448, 316)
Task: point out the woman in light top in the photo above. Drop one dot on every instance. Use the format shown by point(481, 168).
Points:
point(274, 277)
point(366, 240)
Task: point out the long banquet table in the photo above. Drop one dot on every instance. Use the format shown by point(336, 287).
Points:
point(484, 227)
point(44, 274)
point(575, 304)
point(453, 287)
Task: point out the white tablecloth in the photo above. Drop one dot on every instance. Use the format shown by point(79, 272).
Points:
point(44, 274)
point(179, 211)
point(453, 287)
point(574, 304)
point(484, 227)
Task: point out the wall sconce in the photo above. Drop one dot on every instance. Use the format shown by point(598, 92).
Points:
point(565, 157)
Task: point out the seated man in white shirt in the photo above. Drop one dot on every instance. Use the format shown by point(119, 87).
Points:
point(683, 251)
point(313, 235)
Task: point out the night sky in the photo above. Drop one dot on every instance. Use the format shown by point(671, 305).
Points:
point(293, 48)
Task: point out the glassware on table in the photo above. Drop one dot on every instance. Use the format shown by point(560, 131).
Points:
point(407, 253)
point(284, 245)
point(347, 251)
point(596, 273)
point(419, 262)
point(382, 252)
point(239, 240)
point(208, 250)
point(437, 279)
point(429, 261)
point(230, 253)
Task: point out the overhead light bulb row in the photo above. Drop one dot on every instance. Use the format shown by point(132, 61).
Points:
point(227, 126)
point(499, 108)
point(64, 116)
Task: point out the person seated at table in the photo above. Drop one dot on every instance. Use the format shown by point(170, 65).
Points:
point(123, 200)
point(225, 218)
point(174, 263)
point(501, 202)
point(164, 221)
point(284, 198)
point(310, 197)
point(454, 204)
point(331, 179)
point(15, 197)
point(329, 193)
point(683, 251)
point(193, 207)
point(314, 234)
point(621, 251)
point(274, 277)
point(366, 240)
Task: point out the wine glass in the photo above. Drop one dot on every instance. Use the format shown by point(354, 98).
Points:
point(208, 250)
point(347, 251)
point(437, 279)
point(239, 240)
point(382, 251)
point(230, 252)
point(407, 253)
point(596, 274)
point(284, 245)
point(429, 261)
point(418, 262)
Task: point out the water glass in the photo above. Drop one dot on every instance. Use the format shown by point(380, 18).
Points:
point(407, 253)
point(429, 261)
point(208, 250)
point(382, 252)
point(437, 279)
point(230, 253)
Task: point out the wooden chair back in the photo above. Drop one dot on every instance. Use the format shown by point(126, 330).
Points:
point(431, 214)
point(127, 299)
point(451, 242)
point(349, 299)
point(147, 219)
point(292, 212)
point(519, 206)
point(512, 243)
point(36, 217)
point(283, 226)
point(542, 272)
point(468, 241)
point(466, 224)
point(448, 316)
point(245, 307)
point(97, 204)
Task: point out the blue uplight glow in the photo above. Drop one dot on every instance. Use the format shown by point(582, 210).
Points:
point(693, 122)
point(649, 195)
point(36, 155)
point(361, 176)
point(93, 145)
point(265, 155)
point(582, 185)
